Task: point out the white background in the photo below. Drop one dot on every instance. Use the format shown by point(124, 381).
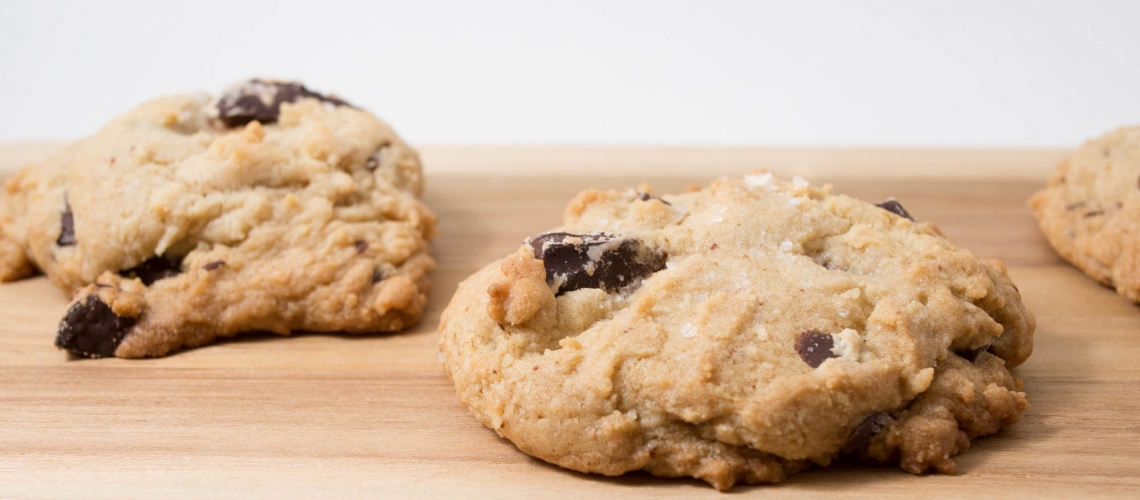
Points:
point(828, 73)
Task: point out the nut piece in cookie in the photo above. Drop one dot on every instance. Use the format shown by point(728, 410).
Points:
point(738, 333)
point(268, 208)
point(1090, 211)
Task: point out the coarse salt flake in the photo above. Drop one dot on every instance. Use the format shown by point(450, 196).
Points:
point(763, 179)
point(688, 331)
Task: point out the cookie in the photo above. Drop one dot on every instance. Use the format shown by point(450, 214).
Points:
point(1090, 212)
point(268, 208)
point(738, 333)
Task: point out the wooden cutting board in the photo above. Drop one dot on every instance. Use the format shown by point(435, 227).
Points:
point(341, 416)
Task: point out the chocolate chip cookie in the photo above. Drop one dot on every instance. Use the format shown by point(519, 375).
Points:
point(738, 333)
point(268, 208)
point(1090, 212)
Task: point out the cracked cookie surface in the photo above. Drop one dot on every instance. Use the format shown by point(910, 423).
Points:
point(268, 208)
point(1090, 212)
point(758, 328)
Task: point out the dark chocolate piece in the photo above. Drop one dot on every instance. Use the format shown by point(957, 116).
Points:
point(643, 196)
point(863, 433)
point(66, 226)
point(361, 246)
point(261, 100)
point(154, 269)
point(377, 276)
point(213, 265)
point(815, 347)
point(600, 260)
point(91, 329)
point(971, 354)
point(893, 206)
point(374, 161)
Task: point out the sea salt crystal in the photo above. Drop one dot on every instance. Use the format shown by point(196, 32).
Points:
point(688, 331)
point(786, 246)
point(794, 202)
point(753, 181)
point(800, 182)
point(716, 218)
point(842, 312)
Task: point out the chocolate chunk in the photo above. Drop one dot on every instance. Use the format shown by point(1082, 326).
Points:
point(154, 269)
point(91, 329)
point(863, 433)
point(815, 347)
point(893, 206)
point(971, 354)
point(261, 100)
point(377, 276)
point(66, 226)
point(361, 246)
point(643, 196)
point(600, 260)
point(376, 159)
point(212, 265)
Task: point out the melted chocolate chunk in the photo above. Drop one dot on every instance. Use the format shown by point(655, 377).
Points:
point(212, 265)
point(863, 433)
point(893, 206)
point(600, 260)
point(361, 246)
point(91, 329)
point(374, 161)
point(154, 269)
point(643, 196)
point(815, 347)
point(261, 100)
point(377, 276)
point(971, 354)
point(66, 226)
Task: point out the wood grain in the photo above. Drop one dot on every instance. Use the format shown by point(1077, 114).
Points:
point(344, 417)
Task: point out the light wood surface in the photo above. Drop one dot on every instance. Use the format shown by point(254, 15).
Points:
point(347, 417)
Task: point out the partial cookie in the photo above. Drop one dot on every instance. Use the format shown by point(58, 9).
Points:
point(269, 208)
point(739, 333)
point(1090, 213)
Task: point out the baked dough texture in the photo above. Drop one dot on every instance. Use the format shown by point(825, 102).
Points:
point(268, 208)
point(1090, 212)
point(738, 333)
